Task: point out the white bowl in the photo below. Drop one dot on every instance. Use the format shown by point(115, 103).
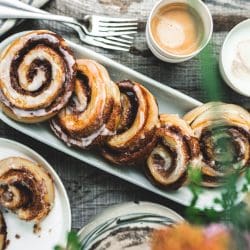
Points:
point(163, 55)
point(238, 34)
point(124, 216)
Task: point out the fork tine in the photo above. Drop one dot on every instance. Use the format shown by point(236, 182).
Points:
point(111, 42)
point(108, 46)
point(127, 37)
point(115, 19)
point(117, 28)
point(103, 24)
point(93, 42)
point(117, 33)
point(119, 39)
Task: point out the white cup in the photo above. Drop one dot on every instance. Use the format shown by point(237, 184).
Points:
point(206, 17)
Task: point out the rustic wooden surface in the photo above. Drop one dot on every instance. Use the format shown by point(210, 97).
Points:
point(89, 189)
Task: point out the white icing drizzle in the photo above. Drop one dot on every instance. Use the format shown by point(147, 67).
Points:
point(83, 142)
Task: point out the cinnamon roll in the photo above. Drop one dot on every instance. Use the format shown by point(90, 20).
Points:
point(93, 112)
point(3, 232)
point(176, 149)
point(37, 73)
point(26, 189)
point(223, 131)
point(135, 136)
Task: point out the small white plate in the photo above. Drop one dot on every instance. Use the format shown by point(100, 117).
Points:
point(128, 215)
point(230, 58)
point(7, 24)
point(55, 226)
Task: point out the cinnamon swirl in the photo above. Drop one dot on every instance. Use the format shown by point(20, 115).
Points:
point(223, 131)
point(135, 136)
point(176, 148)
point(26, 189)
point(37, 73)
point(94, 109)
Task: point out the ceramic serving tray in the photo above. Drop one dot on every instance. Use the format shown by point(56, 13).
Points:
point(169, 100)
point(54, 228)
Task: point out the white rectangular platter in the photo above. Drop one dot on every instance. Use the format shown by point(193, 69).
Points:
point(169, 100)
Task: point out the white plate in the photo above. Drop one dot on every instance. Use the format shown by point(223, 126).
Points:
point(55, 226)
point(230, 55)
point(169, 100)
point(132, 215)
point(7, 24)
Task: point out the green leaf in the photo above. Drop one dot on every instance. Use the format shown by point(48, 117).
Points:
point(210, 77)
point(58, 248)
point(245, 188)
point(194, 174)
point(73, 242)
point(217, 201)
point(247, 176)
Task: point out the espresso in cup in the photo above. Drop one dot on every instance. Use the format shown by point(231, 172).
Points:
point(177, 28)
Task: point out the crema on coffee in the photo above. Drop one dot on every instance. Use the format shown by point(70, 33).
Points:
point(177, 28)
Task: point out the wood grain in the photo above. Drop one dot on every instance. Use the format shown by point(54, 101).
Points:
point(89, 189)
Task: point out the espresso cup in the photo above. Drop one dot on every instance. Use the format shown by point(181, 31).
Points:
point(204, 14)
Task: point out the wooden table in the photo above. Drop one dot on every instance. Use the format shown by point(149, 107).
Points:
point(91, 190)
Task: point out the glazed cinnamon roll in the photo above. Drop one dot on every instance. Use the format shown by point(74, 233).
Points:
point(37, 73)
point(223, 131)
point(93, 112)
point(26, 189)
point(135, 136)
point(3, 232)
point(176, 149)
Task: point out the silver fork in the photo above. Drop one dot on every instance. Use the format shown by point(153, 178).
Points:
point(100, 26)
point(113, 43)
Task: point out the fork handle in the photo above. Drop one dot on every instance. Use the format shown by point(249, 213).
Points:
point(24, 6)
point(16, 4)
point(21, 5)
point(13, 13)
point(27, 7)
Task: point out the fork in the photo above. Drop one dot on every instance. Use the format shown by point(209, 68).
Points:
point(113, 43)
point(122, 43)
point(99, 26)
